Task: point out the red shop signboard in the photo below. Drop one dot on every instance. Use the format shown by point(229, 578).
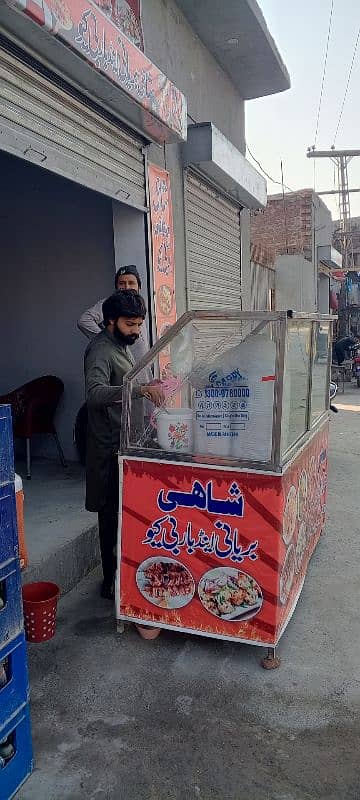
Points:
point(218, 552)
point(94, 29)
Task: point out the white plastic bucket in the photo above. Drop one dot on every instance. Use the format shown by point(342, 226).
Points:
point(175, 430)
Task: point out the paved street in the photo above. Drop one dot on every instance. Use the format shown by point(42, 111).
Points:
point(124, 719)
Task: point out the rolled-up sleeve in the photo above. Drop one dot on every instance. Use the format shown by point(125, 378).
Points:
point(90, 322)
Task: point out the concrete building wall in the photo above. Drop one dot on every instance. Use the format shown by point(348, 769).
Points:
point(57, 259)
point(130, 243)
point(294, 284)
point(172, 44)
point(323, 224)
point(323, 294)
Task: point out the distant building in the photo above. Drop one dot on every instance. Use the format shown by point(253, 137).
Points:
point(297, 228)
point(355, 227)
point(349, 313)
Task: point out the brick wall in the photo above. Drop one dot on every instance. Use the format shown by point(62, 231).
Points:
point(286, 225)
point(264, 256)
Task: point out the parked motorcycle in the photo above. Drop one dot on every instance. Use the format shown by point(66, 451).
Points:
point(333, 392)
point(356, 368)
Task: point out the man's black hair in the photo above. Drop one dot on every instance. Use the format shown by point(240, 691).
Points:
point(129, 269)
point(125, 303)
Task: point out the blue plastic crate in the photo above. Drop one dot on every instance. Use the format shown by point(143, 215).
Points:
point(11, 615)
point(15, 693)
point(20, 766)
point(7, 474)
point(9, 547)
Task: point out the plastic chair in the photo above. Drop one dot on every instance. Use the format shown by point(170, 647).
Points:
point(33, 408)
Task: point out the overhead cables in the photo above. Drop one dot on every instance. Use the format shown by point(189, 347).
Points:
point(347, 84)
point(324, 72)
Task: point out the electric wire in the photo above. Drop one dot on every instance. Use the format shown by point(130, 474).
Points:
point(324, 72)
point(279, 183)
point(347, 84)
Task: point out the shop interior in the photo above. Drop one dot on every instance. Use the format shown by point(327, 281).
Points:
point(60, 246)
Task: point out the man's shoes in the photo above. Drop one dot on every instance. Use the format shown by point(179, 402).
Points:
point(107, 592)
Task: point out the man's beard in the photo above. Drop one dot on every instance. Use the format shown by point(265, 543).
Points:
point(126, 341)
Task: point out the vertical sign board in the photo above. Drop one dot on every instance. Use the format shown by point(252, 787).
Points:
point(163, 256)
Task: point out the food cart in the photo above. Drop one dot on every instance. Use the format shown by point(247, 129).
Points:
point(223, 489)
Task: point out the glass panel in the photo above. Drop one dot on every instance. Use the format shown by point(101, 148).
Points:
point(320, 390)
point(296, 382)
point(217, 377)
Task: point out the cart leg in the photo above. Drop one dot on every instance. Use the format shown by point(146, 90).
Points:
point(120, 627)
point(271, 660)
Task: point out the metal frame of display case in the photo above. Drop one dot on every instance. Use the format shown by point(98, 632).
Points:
point(278, 460)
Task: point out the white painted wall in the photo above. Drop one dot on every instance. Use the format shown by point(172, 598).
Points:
point(295, 285)
point(130, 243)
point(323, 294)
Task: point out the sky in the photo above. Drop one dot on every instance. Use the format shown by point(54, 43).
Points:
point(282, 126)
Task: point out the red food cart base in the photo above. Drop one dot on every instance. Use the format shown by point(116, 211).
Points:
point(219, 552)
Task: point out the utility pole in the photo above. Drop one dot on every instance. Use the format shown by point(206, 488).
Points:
point(341, 159)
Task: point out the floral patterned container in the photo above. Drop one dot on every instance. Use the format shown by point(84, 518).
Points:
point(175, 430)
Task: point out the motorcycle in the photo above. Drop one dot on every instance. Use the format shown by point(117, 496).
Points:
point(356, 368)
point(333, 392)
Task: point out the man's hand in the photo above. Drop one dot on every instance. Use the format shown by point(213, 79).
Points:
point(153, 393)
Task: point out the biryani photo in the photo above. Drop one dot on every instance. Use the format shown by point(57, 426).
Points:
point(287, 575)
point(230, 594)
point(302, 494)
point(165, 582)
point(290, 515)
point(165, 299)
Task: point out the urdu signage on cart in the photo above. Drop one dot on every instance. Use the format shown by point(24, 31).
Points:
point(94, 30)
point(218, 552)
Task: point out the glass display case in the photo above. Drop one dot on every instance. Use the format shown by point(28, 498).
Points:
point(223, 488)
point(240, 388)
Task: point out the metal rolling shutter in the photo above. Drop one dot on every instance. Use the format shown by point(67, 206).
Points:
point(45, 125)
point(213, 243)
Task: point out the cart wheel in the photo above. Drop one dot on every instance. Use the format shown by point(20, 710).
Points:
point(120, 627)
point(271, 660)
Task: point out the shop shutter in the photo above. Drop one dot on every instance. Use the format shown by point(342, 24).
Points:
point(213, 246)
point(44, 124)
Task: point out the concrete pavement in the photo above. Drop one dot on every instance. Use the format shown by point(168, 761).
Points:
point(118, 718)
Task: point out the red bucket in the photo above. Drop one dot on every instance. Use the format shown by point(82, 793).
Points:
point(40, 605)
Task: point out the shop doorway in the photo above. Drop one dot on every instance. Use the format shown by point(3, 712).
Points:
point(57, 258)
point(60, 246)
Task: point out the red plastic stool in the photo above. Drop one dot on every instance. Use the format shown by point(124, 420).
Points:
point(40, 606)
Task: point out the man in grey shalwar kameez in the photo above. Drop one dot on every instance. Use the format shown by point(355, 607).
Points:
point(107, 360)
